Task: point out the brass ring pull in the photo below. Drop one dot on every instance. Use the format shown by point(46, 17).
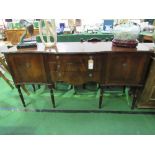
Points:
point(124, 65)
point(28, 65)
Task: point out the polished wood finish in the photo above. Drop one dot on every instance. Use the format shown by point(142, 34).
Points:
point(5, 68)
point(147, 38)
point(112, 66)
point(27, 68)
point(147, 98)
point(14, 35)
point(67, 68)
point(126, 68)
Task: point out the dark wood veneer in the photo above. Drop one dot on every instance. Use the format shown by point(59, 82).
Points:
point(112, 65)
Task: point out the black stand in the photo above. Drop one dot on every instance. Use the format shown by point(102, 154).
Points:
point(52, 95)
point(38, 86)
point(101, 96)
point(21, 95)
point(135, 93)
point(34, 89)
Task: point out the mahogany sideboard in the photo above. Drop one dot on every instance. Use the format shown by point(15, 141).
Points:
point(77, 63)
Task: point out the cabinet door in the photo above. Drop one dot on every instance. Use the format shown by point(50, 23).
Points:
point(27, 68)
point(126, 68)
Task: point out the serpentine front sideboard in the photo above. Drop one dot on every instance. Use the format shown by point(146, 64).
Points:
point(77, 63)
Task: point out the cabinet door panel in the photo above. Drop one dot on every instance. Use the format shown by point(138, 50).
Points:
point(126, 68)
point(27, 68)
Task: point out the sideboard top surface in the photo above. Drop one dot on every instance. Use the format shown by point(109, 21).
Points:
point(81, 47)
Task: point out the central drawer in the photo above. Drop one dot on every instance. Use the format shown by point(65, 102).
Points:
point(75, 78)
point(74, 63)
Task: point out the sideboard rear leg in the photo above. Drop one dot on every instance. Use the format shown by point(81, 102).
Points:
point(52, 95)
point(101, 97)
point(135, 93)
point(34, 89)
point(21, 95)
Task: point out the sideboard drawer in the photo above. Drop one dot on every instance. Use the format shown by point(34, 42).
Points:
point(74, 63)
point(75, 77)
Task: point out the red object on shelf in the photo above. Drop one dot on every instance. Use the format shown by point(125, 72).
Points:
point(125, 43)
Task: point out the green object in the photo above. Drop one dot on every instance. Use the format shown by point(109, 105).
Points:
point(36, 24)
point(13, 121)
point(17, 25)
point(146, 33)
point(78, 37)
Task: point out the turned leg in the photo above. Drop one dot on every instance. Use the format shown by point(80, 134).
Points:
point(75, 88)
point(101, 97)
point(52, 96)
point(135, 92)
point(38, 86)
point(84, 86)
point(124, 89)
point(34, 89)
point(71, 87)
point(21, 95)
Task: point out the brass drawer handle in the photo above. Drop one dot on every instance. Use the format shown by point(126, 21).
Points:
point(58, 66)
point(59, 74)
point(90, 75)
point(90, 57)
point(28, 65)
point(124, 65)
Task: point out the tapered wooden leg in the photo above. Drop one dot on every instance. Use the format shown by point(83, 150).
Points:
point(75, 88)
point(124, 89)
point(101, 97)
point(52, 96)
point(84, 86)
point(38, 86)
point(134, 98)
point(21, 95)
point(34, 89)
